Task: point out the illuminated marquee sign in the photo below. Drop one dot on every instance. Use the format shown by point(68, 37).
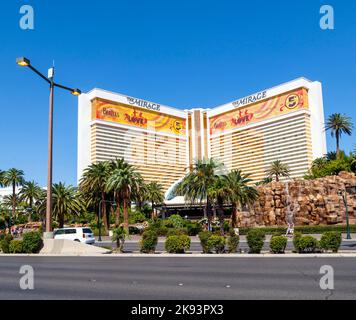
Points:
point(137, 117)
point(263, 110)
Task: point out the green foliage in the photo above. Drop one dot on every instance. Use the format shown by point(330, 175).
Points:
point(149, 241)
point(159, 227)
point(177, 221)
point(177, 244)
point(331, 241)
point(204, 241)
point(5, 243)
point(255, 240)
point(177, 232)
point(304, 244)
point(119, 235)
point(193, 228)
point(136, 217)
point(16, 247)
point(232, 243)
point(32, 242)
point(278, 244)
point(302, 229)
point(217, 243)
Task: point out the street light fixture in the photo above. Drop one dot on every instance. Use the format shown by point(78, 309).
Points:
point(24, 62)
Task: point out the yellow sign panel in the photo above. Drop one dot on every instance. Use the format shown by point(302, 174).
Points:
point(273, 107)
point(137, 117)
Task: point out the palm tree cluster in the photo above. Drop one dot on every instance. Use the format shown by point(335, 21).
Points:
point(117, 182)
point(31, 199)
point(207, 184)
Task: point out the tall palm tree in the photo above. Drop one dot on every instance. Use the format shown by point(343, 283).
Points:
point(14, 178)
point(155, 194)
point(93, 184)
point(239, 193)
point(195, 185)
point(29, 193)
point(217, 192)
point(123, 181)
point(117, 164)
point(278, 169)
point(339, 124)
point(66, 203)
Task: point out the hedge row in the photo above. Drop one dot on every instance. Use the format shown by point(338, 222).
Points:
point(302, 229)
point(32, 243)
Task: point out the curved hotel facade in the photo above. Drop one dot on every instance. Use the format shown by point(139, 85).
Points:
point(282, 123)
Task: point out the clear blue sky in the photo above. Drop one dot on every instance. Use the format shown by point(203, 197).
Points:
point(180, 53)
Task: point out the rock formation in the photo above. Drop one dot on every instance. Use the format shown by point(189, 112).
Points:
point(312, 202)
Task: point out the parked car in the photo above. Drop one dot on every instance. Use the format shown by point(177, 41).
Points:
point(83, 235)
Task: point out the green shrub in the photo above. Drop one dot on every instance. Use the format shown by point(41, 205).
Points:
point(177, 232)
point(32, 242)
point(232, 243)
point(304, 244)
point(255, 240)
point(278, 244)
point(217, 243)
point(136, 217)
point(149, 241)
point(5, 243)
point(177, 221)
point(193, 228)
point(159, 227)
point(177, 244)
point(331, 241)
point(204, 241)
point(16, 246)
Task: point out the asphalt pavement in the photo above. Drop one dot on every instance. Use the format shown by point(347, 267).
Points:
point(159, 278)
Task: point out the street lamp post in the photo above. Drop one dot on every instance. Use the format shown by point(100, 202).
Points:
point(114, 204)
point(24, 62)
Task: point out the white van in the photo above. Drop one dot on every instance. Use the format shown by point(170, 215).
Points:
point(83, 235)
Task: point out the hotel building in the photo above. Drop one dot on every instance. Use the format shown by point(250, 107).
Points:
point(282, 123)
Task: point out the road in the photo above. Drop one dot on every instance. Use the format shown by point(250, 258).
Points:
point(176, 278)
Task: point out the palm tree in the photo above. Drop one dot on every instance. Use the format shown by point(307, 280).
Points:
point(239, 193)
point(93, 184)
point(29, 193)
point(278, 169)
point(195, 185)
point(218, 195)
point(154, 194)
point(66, 203)
point(339, 124)
point(123, 181)
point(117, 164)
point(14, 178)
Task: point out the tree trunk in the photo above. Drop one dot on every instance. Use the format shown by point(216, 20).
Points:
point(234, 216)
point(126, 215)
point(337, 145)
point(277, 178)
point(61, 220)
point(118, 209)
point(13, 200)
point(208, 211)
point(30, 213)
point(153, 210)
point(103, 211)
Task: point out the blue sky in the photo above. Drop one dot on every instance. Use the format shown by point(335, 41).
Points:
point(180, 53)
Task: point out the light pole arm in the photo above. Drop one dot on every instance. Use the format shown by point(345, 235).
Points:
point(40, 74)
